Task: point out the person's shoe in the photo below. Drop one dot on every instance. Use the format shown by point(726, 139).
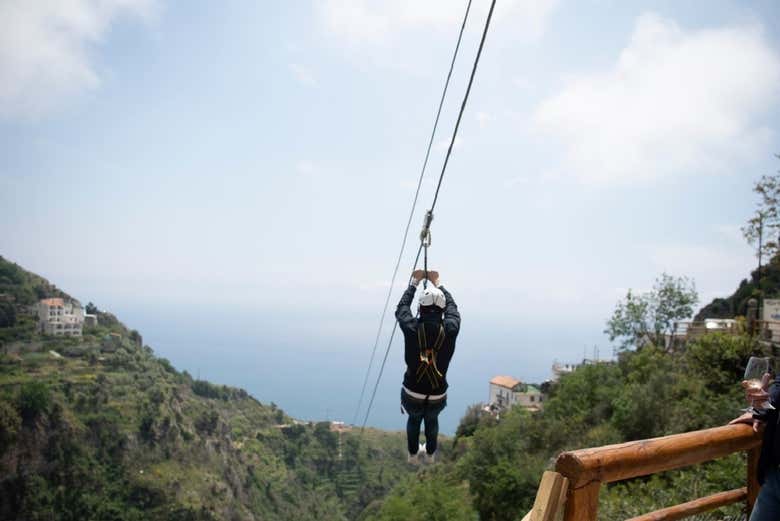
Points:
point(413, 459)
point(429, 459)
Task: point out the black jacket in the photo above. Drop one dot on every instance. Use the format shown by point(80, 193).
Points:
point(409, 325)
point(770, 448)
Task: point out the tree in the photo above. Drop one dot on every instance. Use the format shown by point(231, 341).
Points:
point(34, 399)
point(649, 316)
point(763, 229)
point(7, 314)
point(10, 423)
point(503, 474)
point(432, 496)
point(475, 415)
point(91, 309)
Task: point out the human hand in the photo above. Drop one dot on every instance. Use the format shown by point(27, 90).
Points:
point(748, 419)
point(418, 275)
point(433, 276)
point(757, 395)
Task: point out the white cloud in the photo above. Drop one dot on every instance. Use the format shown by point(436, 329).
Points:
point(522, 82)
point(521, 180)
point(483, 118)
point(303, 74)
point(373, 285)
point(305, 167)
point(408, 184)
point(675, 101)
point(45, 49)
point(361, 22)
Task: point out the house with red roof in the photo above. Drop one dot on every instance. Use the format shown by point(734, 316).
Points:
point(56, 316)
point(507, 391)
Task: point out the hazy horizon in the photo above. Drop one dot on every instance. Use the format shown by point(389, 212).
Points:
point(283, 358)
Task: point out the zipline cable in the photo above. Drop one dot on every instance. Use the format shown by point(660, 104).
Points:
point(436, 195)
point(411, 213)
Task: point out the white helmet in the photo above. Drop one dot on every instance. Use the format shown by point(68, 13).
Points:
point(432, 296)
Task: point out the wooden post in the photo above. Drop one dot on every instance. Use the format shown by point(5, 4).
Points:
point(562, 500)
point(550, 497)
point(752, 477)
point(582, 504)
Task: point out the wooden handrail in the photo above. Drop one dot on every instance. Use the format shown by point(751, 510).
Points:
point(640, 458)
point(587, 469)
point(697, 506)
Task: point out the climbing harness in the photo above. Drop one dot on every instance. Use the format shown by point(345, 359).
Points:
point(427, 366)
point(433, 205)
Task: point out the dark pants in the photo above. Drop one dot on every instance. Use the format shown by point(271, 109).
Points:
point(767, 507)
point(419, 410)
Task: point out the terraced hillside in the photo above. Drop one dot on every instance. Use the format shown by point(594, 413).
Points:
point(100, 428)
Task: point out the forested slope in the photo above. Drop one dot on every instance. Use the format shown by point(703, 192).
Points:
point(496, 466)
point(105, 430)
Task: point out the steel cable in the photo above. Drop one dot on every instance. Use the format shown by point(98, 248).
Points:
point(436, 195)
point(411, 213)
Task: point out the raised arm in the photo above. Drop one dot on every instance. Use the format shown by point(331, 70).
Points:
point(451, 314)
point(403, 313)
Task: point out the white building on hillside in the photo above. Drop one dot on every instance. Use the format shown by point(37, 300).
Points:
point(506, 392)
point(57, 317)
point(559, 369)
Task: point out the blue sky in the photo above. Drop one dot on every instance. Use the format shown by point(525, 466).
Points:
point(208, 168)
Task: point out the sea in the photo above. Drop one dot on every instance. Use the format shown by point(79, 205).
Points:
point(314, 365)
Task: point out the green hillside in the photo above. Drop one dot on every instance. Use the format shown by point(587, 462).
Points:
point(99, 428)
point(496, 466)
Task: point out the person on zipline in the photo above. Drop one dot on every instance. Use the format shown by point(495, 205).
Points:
point(429, 343)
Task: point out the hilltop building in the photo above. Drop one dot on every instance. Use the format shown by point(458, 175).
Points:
point(57, 317)
point(90, 320)
point(559, 369)
point(506, 392)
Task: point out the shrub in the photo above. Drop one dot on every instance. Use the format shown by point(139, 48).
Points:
point(34, 399)
point(207, 422)
point(166, 364)
point(219, 392)
point(471, 420)
point(10, 422)
point(7, 314)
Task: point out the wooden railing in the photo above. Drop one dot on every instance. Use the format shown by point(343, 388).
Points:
point(572, 491)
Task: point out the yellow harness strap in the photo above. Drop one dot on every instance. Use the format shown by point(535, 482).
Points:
point(427, 365)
